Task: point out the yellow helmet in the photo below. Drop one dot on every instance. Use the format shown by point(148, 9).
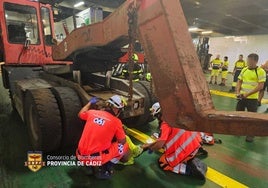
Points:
point(148, 76)
point(135, 57)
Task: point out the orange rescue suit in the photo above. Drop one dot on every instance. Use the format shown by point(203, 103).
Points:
point(180, 145)
point(96, 140)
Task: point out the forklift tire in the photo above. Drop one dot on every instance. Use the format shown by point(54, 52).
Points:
point(152, 98)
point(12, 100)
point(43, 120)
point(69, 104)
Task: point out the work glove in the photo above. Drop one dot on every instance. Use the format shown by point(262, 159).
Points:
point(93, 100)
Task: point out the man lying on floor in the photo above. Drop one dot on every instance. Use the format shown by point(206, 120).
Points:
point(180, 146)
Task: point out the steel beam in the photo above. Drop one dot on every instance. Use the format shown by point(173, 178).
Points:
point(179, 81)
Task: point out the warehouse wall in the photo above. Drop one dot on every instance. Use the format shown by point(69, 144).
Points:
point(87, 17)
point(233, 46)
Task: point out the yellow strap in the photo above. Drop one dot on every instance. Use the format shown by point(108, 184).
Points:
point(213, 175)
point(234, 84)
point(224, 94)
point(231, 95)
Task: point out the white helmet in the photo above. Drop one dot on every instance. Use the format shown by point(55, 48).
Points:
point(155, 108)
point(117, 101)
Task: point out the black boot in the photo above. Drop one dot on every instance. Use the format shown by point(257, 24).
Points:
point(103, 172)
point(196, 168)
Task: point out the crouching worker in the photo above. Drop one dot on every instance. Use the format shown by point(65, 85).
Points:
point(180, 148)
point(103, 141)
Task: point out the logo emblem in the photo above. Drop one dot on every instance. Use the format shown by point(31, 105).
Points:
point(34, 161)
point(99, 121)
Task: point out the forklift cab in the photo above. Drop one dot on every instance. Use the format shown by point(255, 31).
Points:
point(27, 32)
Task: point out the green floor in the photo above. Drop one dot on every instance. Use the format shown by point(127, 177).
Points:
point(244, 162)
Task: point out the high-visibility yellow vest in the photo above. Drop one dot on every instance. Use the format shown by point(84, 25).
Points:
point(216, 63)
point(225, 65)
point(240, 64)
point(250, 79)
point(137, 71)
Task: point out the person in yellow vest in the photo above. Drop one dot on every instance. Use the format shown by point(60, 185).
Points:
point(261, 93)
point(216, 65)
point(224, 71)
point(250, 82)
point(239, 65)
point(137, 69)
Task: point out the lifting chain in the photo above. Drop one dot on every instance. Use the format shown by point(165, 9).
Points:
point(132, 34)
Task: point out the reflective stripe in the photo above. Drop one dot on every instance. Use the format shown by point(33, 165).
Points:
point(216, 62)
point(136, 72)
point(225, 64)
point(249, 85)
point(262, 78)
point(246, 90)
point(175, 138)
point(183, 146)
point(240, 64)
point(114, 160)
point(180, 168)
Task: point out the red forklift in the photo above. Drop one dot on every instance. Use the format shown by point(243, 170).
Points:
point(48, 94)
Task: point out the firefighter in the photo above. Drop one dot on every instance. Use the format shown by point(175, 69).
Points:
point(250, 82)
point(239, 65)
point(137, 70)
point(180, 147)
point(103, 141)
point(261, 94)
point(216, 65)
point(224, 71)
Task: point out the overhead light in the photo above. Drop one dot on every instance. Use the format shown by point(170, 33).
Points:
point(241, 39)
point(229, 37)
point(6, 15)
point(206, 32)
point(79, 4)
point(192, 29)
